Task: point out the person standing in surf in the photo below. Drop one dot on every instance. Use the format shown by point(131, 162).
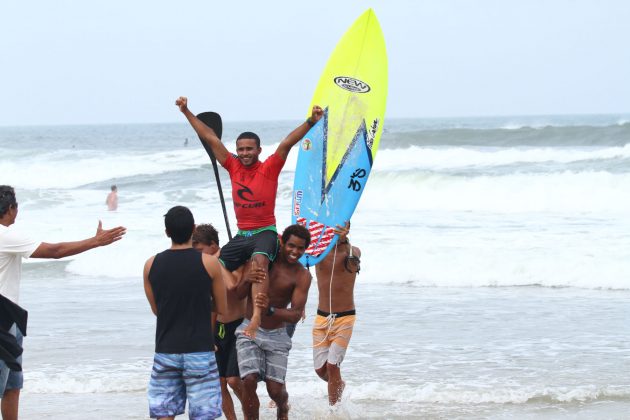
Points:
point(206, 240)
point(265, 356)
point(254, 190)
point(336, 314)
point(14, 246)
point(112, 199)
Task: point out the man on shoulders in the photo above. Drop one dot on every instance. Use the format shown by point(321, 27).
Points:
point(254, 190)
point(14, 246)
point(336, 314)
point(183, 287)
point(265, 356)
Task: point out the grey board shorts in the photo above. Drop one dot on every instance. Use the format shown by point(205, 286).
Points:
point(266, 355)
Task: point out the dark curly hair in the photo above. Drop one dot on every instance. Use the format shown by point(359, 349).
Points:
point(206, 234)
point(7, 199)
point(298, 231)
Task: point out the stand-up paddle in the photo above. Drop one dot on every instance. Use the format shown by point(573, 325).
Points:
point(213, 120)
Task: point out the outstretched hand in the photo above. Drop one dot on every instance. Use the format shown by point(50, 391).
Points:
point(182, 103)
point(107, 236)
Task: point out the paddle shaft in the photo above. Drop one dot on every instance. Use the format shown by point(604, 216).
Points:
point(213, 120)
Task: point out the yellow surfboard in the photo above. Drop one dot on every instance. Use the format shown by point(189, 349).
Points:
point(353, 86)
point(336, 155)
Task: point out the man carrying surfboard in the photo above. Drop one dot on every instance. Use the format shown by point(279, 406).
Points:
point(254, 190)
point(335, 318)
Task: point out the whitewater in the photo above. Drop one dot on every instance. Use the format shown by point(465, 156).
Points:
point(495, 272)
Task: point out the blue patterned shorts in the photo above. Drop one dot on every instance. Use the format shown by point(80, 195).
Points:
point(177, 377)
point(11, 379)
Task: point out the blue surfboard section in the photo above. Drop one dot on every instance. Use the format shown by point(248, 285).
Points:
point(321, 204)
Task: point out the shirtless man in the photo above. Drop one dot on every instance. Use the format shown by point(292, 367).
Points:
point(265, 356)
point(335, 314)
point(254, 190)
point(112, 199)
point(206, 240)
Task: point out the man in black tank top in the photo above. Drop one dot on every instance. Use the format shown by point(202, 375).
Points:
point(183, 287)
point(206, 239)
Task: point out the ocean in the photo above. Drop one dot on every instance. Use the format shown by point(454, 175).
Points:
point(495, 276)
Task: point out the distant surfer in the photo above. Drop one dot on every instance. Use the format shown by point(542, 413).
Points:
point(14, 246)
point(112, 199)
point(184, 287)
point(336, 313)
point(206, 240)
point(265, 355)
point(254, 190)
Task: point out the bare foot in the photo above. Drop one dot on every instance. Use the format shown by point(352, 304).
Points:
point(283, 414)
point(272, 404)
point(341, 388)
point(338, 394)
point(250, 330)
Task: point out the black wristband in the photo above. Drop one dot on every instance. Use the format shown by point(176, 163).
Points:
point(310, 122)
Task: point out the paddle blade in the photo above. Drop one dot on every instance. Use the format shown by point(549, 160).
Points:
point(212, 120)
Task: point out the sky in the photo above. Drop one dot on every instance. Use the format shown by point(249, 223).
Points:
point(115, 61)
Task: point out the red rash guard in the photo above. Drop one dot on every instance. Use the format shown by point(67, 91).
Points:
point(254, 191)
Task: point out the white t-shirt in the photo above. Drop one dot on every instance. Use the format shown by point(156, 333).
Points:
point(14, 246)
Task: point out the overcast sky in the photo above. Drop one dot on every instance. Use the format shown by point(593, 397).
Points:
point(115, 61)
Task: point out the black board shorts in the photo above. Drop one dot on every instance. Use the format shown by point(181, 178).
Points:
point(225, 341)
point(240, 249)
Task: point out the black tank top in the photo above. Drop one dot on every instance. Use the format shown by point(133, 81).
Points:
point(182, 290)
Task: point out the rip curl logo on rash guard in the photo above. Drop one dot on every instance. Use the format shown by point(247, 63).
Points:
point(250, 203)
point(244, 190)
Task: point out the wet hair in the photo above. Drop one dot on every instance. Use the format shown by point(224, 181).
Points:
point(114, 187)
point(249, 135)
point(179, 223)
point(7, 199)
point(206, 234)
point(298, 231)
